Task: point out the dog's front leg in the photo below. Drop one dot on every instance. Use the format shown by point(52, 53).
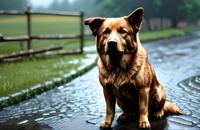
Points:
point(110, 109)
point(143, 108)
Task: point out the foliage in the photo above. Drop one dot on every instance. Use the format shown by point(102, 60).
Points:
point(13, 4)
point(191, 8)
point(87, 5)
point(176, 10)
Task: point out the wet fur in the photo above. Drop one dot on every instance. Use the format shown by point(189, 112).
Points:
point(128, 79)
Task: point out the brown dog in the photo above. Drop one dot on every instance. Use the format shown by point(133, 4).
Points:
point(125, 72)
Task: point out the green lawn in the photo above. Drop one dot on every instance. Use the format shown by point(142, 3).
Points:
point(22, 74)
point(154, 35)
point(19, 75)
point(16, 26)
point(15, 76)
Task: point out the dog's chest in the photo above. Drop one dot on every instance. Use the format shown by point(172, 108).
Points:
point(126, 91)
point(122, 84)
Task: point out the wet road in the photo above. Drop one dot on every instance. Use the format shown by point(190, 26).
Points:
point(80, 103)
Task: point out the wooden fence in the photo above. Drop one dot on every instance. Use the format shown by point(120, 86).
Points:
point(29, 37)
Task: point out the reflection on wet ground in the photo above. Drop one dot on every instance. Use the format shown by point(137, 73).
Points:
point(80, 103)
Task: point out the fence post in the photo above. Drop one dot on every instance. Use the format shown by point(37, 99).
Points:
point(81, 31)
point(28, 13)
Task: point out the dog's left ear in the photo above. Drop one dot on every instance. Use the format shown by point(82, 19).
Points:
point(94, 24)
point(135, 18)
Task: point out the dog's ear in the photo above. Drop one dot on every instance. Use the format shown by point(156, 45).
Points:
point(135, 18)
point(94, 24)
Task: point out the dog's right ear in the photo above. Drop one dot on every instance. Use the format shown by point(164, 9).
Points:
point(94, 24)
point(135, 18)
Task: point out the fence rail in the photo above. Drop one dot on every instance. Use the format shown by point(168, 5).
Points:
point(29, 37)
point(39, 37)
point(58, 13)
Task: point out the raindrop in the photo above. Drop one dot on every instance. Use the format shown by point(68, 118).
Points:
point(62, 110)
point(61, 115)
point(69, 115)
point(22, 122)
point(46, 114)
point(52, 112)
point(39, 119)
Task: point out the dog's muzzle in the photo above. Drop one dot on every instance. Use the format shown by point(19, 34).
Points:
point(112, 48)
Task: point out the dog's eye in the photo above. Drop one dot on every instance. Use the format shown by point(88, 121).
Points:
point(106, 31)
point(122, 31)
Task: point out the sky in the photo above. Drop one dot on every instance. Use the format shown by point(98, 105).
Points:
point(43, 3)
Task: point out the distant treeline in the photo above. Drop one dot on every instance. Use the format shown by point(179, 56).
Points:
point(175, 10)
point(13, 4)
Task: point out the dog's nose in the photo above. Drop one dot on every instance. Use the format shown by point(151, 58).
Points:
point(112, 43)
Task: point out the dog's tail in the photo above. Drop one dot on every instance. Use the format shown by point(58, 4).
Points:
point(172, 108)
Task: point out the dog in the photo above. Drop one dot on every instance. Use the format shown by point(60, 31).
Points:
point(125, 72)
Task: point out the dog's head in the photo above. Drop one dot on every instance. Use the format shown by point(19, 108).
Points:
point(116, 36)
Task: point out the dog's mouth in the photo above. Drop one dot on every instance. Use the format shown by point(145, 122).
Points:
point(114, 52)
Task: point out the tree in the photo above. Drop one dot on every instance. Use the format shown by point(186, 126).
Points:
point(120, 8)
point(116, 8)
point(13, 4)
point(87, 5)
point(176, 10)
point(171, 9)
point(191, 10)
point(60, 5)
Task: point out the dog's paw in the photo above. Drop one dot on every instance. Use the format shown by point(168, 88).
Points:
point(122, 118)
point(159, 114)
point(144, 124)
point(105, 125)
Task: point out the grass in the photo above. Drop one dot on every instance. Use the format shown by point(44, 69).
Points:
point(13, 25)
point(15, 76)
point(16, 26)
point(162, 34)
point(20, 75)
